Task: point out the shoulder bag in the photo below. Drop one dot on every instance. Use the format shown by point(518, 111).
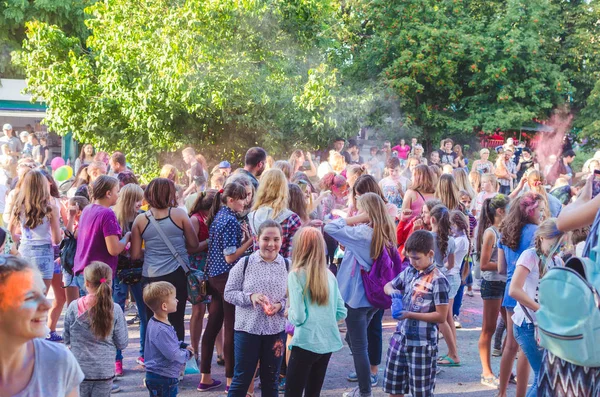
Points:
point(196, 285)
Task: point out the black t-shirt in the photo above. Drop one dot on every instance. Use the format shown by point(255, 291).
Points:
point(525, 165)
point(447, 158)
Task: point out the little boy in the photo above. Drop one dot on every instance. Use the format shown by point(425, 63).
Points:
point(412, 356)
point(165, 356)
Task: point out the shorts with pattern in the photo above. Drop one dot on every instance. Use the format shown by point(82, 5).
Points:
point(41, 256)
point(410, 369)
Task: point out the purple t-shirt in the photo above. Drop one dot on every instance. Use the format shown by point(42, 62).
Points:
point(96, 223)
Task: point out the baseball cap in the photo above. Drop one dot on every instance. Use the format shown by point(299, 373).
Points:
point(24, 134)
point(224, 164)
point(7, 127)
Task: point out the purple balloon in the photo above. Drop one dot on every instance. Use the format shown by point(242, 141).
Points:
point(57, 162)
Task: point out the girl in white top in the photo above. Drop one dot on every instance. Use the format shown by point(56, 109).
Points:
point(489, 188)
point(531, 267)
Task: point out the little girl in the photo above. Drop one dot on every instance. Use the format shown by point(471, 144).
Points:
point(489, 188)
point(257, 286)
point(444, 254)
point(316, 306)
point(531, 267)
point(76, 206)
point(94, 329)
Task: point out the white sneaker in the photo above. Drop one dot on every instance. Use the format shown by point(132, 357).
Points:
point(470, 293)
point(115, 388)
point(457, 323)
point(354, 393)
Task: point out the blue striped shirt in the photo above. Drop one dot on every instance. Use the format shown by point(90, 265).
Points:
point(163, 353)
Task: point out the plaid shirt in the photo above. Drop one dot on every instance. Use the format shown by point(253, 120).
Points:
point(289, 227)
point(422, 292)
point(512, 169)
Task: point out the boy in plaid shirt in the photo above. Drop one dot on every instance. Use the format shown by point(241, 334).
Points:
point(412, 355)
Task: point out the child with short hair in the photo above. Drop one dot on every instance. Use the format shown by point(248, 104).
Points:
point(94, 329)
point(394, 185)
point(412, 356)
point(165, 355)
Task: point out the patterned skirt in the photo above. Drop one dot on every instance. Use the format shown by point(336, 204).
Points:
point(559, 378)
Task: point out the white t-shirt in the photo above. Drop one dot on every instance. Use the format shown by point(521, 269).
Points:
point(530, 260)
point(461, 250)
point(55, 372)
point(389, 187)
point(481, 197)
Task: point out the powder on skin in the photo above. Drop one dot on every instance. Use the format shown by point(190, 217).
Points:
point(14, 288)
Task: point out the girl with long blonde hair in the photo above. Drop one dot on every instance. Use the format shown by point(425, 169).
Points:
point(36, 217)
point(462, 181)
point(316, 306)
point(271, 202)
point(364, 237)
point(127, 209)
point(170, 172)
point(448, 192)
point(95, 329)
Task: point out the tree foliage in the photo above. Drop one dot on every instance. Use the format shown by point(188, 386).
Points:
point(67, 14)
point(155, 75)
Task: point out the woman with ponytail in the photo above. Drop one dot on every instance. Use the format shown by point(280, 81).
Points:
point(94, 329)
point(493, 284)
point(228, 242)
point(517, 232)
point(444, 248)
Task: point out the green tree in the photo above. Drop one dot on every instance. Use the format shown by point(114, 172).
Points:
point(156, 75)
point(459, 65)
point(68, 14)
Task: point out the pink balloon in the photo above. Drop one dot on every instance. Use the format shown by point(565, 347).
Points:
point(57, 162)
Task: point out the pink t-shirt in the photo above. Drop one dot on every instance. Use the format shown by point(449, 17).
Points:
point(403, 151)
point(96, 223)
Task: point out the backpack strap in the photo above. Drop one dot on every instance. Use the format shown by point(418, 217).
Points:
point(246, 260)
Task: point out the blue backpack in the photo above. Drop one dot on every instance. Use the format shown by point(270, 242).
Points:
point(569, 316)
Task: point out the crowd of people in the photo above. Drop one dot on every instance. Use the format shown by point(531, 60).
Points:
point(279, 255)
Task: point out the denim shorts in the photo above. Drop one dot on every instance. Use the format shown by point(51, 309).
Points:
point(454, 281)
point(74, 281)
point(41, 256)
point(492, 289)
point(161, 386)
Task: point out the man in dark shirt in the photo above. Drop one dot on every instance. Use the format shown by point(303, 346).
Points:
point(338, 146)
point(354, 151)
point(254, 164)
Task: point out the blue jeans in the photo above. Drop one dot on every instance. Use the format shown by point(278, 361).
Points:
point(249, 350)
point(374, 338)
point(357, 323)
point(119, 296)
point(525, 337)
point(161, 386)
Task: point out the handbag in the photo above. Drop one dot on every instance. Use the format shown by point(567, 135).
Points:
point(196, 284)
point(129, 271)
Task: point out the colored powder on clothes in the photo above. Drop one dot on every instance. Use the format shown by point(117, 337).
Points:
point(16, 285)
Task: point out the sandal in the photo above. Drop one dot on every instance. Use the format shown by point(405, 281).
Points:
point(450, 362)
point(220, 360)
point(490, 381)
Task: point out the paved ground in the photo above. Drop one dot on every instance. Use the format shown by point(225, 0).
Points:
point(463, 381)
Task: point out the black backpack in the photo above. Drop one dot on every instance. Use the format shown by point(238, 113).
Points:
point(68, 247)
